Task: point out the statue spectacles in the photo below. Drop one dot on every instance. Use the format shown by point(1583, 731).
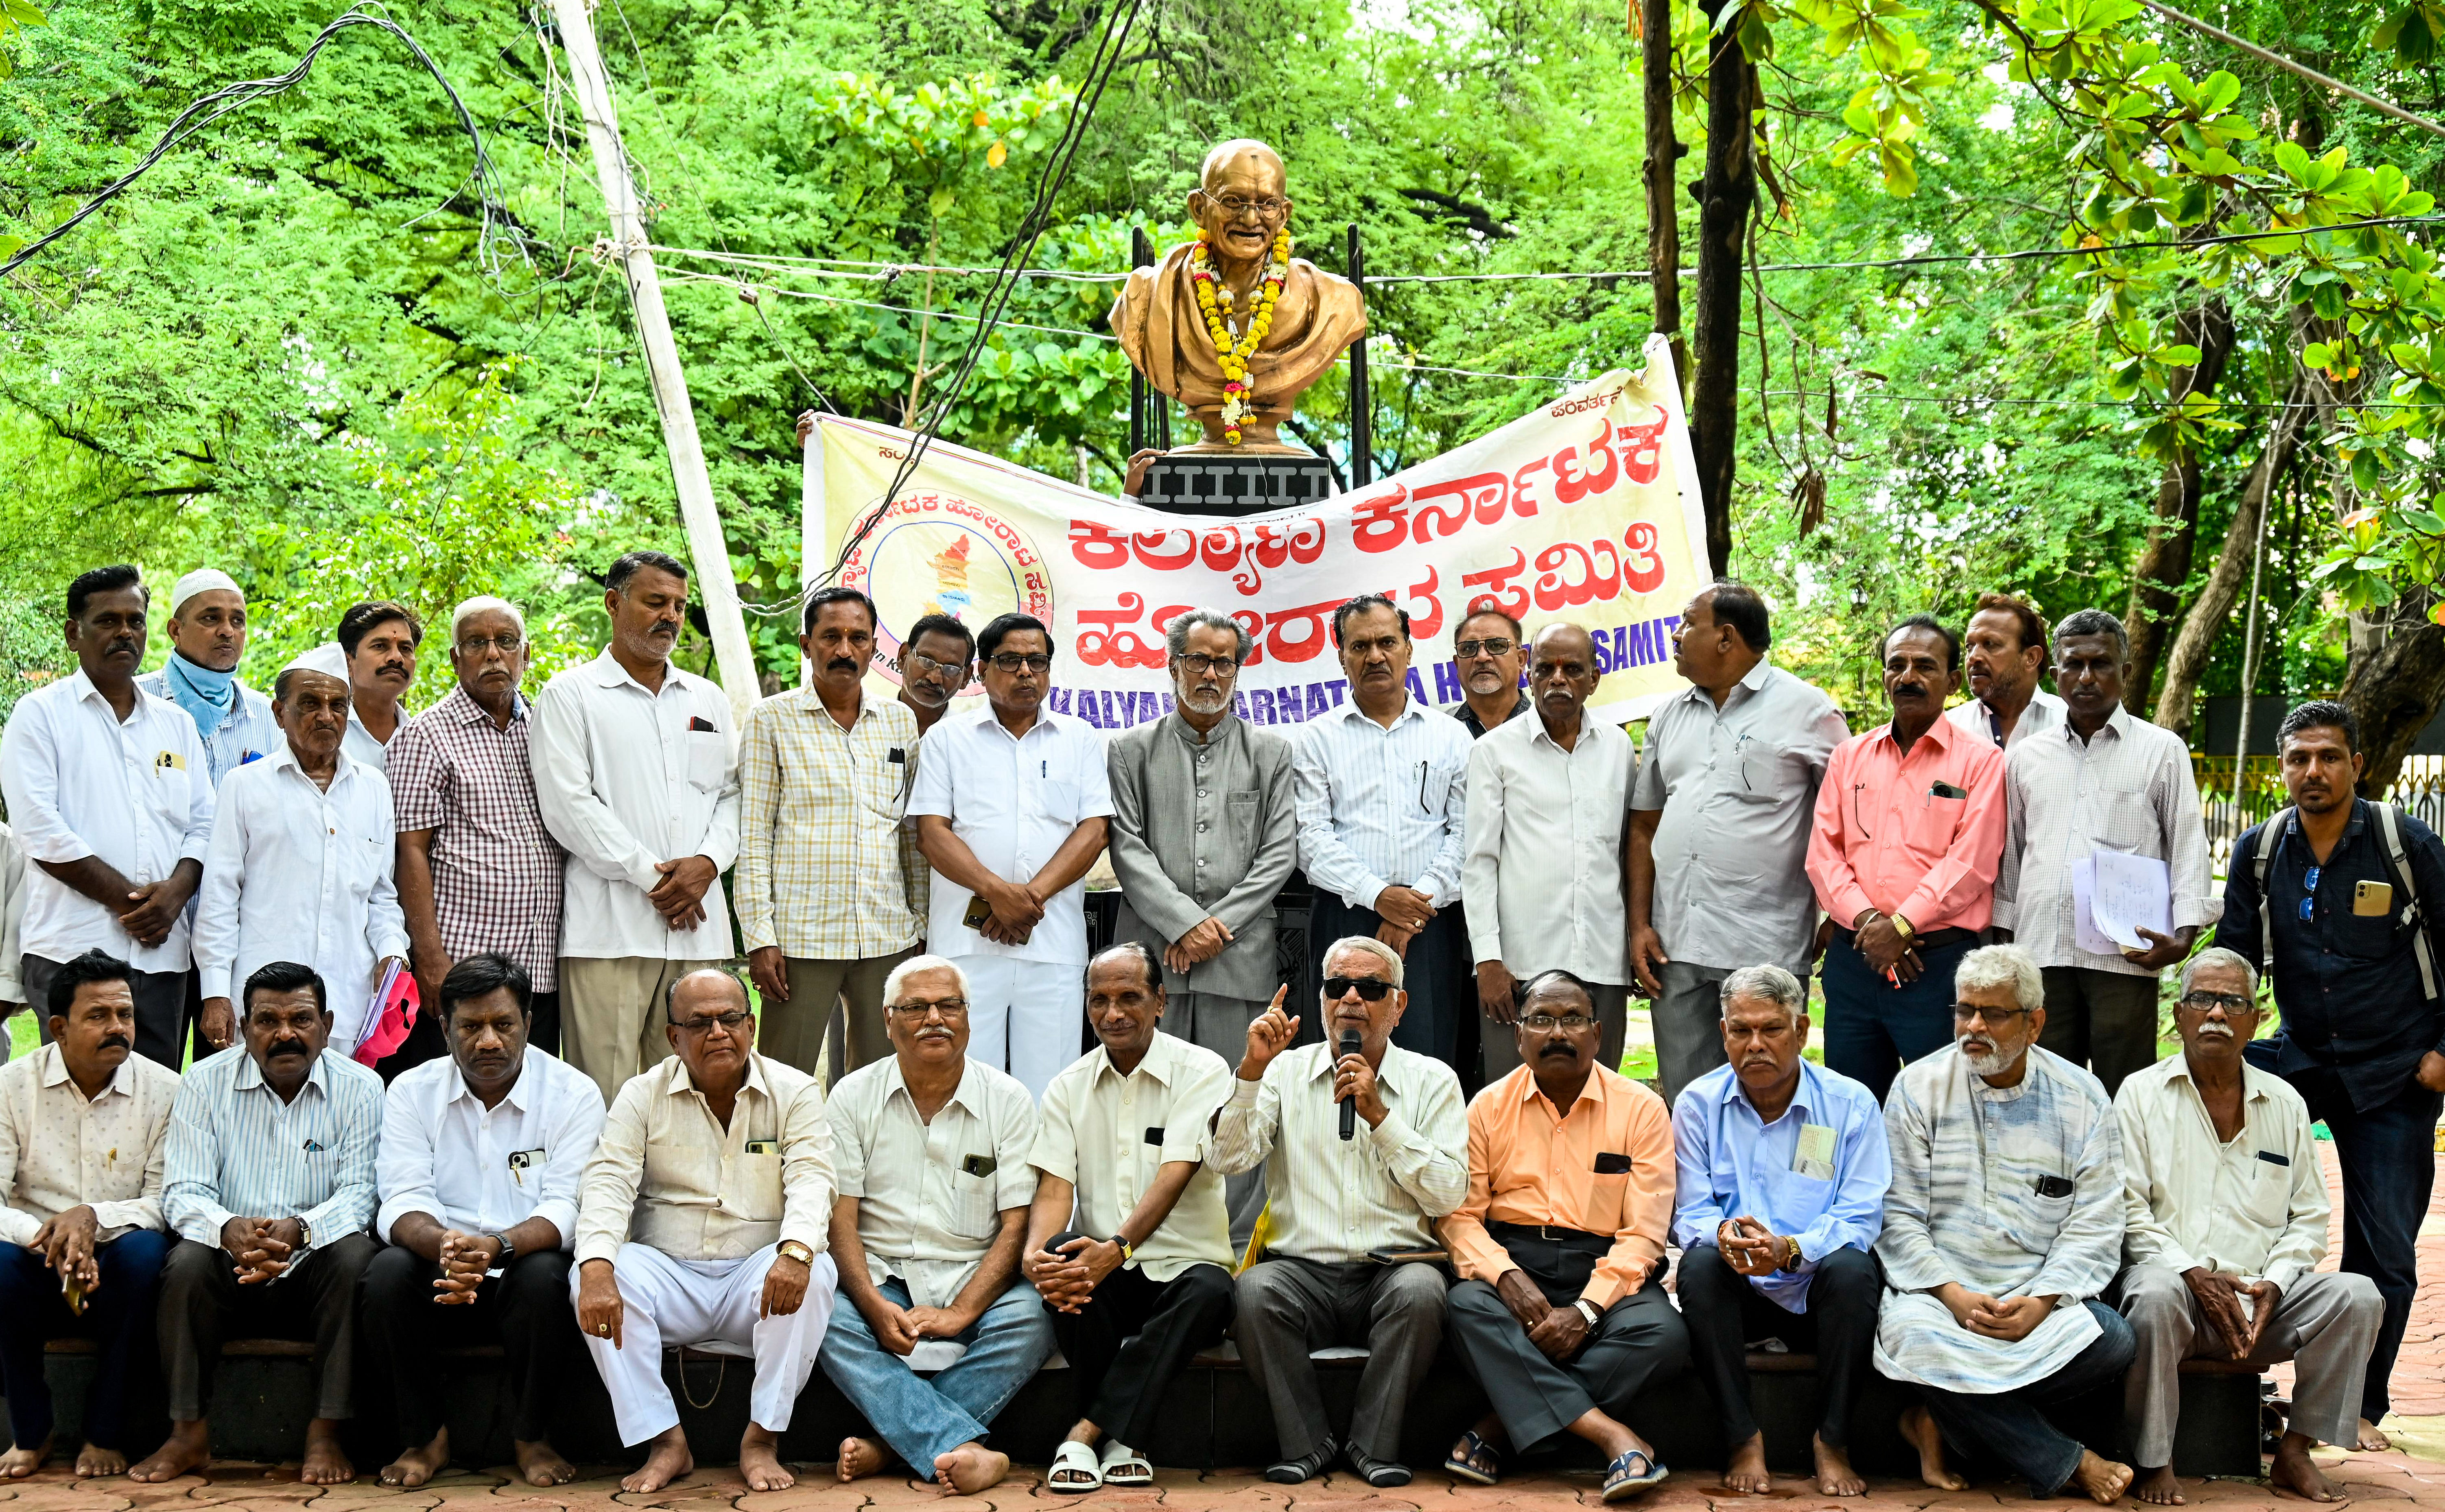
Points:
point(1235, 206)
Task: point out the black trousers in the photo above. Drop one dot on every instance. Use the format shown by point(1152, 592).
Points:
point(1724, 1311)
point(1128, 1343)
point(1638, 1339)
point(429, 1040)
point(1437, 974)
point(315, 1300)
point(525, 1310)
point(160, 1007)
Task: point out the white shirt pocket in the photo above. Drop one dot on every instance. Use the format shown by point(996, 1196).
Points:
point(708, 760)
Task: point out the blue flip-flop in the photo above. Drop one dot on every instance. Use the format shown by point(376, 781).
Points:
point(1623, 1481)
point(1465, 1463)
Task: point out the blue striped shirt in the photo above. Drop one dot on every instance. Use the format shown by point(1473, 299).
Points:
point(1381, 808)
point(236, 1150)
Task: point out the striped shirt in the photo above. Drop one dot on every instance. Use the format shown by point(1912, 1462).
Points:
point(819, 832)
point(236, 1150)
point(2129, 789)
point(2012, 1191)
point(497, 870)
point(1381, 808)
point(1334, 1202)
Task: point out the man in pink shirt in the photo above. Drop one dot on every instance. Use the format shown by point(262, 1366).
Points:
point(1909, 832)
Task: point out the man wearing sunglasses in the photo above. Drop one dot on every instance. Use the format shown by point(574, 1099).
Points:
point(2225, 1222)
point(1351, 1252)
point(1011, 807)
point(2004, 1225)
point(2335, 899)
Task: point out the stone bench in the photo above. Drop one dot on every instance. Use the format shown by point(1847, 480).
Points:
point(1214, 1417)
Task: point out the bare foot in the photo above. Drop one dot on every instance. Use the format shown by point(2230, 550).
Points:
point(2295, 1471)
point(417, 1465)
point(2160, 1487)
point(760, 1461)
point(667, 1460)
point(2103, 1480)
point(2372, 1442)
point(969, 1468)
point(1920, 1430)
point(187, 1451)
point(93, 1460)
point(325, 1462)
point(1835, 1476)
point(541, 1464)
point(862, 1457)
point(1747, 1472)
point(20, 1463)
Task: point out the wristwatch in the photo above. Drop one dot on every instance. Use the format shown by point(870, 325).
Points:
point(1128, 1251)
point(305, 1233)
point(798, 1251)
point(1588, 1310)
point(508, 1251)
point(1791, 1255)
point(1902, 925)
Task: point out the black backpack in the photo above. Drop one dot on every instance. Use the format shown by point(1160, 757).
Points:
point(2390, 821)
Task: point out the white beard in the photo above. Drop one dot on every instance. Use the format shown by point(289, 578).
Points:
point(1992, 1064)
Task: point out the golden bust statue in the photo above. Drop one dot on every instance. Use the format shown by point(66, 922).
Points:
point(1242, 211)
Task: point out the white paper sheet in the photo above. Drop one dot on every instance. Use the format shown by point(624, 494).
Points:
point(2084, 932)
point(2129, 893)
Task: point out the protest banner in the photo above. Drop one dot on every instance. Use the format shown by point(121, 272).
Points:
point(1586, 509)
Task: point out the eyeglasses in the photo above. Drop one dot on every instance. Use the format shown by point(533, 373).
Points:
point(2231, 1002)
point(1369, 988)
point(920, 662)
point(918, 1012)
point(477, 645)
point(1267, 207)
point(1219, 665)
point(1493, 645)
point(1571, 1023)
point(1963, 1012)
point(1012, 662)
point(729, 1023)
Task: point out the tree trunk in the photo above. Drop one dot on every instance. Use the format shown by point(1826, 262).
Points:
point(2187, 661)
point(2164, 563)
point(2394, 694)
point(1727, 196)
point(1664, 151)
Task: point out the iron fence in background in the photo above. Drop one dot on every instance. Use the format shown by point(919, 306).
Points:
point(2419, 789)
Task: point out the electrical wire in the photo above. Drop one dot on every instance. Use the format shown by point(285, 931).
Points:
point(497, 226)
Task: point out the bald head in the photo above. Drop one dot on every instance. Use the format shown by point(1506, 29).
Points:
point(1232, 160)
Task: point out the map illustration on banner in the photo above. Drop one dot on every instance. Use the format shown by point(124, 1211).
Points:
point(1586, 510)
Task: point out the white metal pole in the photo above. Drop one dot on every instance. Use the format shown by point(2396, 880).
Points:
point(715, 586)
point(813, 535)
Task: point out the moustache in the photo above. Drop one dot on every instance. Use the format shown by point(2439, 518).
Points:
point(2216, 1032)
point(841, 663)
point(285, 1047)
point(662, 629)
point(117, 1042)
point(389, 667)
point(1558, 1050)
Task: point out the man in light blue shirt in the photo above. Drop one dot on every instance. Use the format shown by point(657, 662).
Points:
point(1783, 1172)
point(207, 633)
point(269, 1182)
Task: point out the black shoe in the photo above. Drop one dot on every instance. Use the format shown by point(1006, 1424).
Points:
point(1381, 1474)
point(1293, 1472)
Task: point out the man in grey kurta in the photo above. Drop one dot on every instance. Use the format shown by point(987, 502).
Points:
point(1719, 827)
point(1204, 830)
point(2004, 1223)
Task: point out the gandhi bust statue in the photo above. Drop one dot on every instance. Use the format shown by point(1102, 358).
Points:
point(1231, 324)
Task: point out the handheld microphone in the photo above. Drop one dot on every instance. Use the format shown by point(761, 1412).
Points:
point(1349, 1105)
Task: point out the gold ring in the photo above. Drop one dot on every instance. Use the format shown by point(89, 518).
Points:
point(603, 1328)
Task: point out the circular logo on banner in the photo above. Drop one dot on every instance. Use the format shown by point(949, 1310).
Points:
point(939, 553)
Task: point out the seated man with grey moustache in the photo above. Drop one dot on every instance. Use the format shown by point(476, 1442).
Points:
point(2224, 1223)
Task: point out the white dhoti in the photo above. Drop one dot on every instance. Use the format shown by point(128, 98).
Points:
point(711, 1303)
point(1025, 1017)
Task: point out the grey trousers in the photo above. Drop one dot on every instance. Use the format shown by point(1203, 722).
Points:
point(1687, 1019)
point(1288, 1307)
point(1499, 1044)
point(793, 1032)
point(315, 1302)
point(613, 1014)
point(2325, 1323)
point(1640, 1338)
point(2105, 1020)
point(1220, 1024)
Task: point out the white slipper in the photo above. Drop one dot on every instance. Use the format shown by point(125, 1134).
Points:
point(1076, 1459)
point(1124, 1466)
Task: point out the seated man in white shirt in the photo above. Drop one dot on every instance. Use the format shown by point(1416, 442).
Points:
point(1122, 1146)
point(301, 862)
point(81, 1240)
point(481, 1154)
point(2224, 1223)
point(1344, 1193)
point(700, 1221)
point(931, 1147)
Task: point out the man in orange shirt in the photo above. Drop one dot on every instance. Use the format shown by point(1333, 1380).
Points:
point(1570, 1195)
point(1908, 836)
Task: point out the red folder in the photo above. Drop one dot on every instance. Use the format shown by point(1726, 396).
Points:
point(394, 1015)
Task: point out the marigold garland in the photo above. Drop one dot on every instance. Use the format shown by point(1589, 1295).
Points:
point(1214, 299)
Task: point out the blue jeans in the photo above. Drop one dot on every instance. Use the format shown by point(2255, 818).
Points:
point(920, 1418)
point(1873, 1028)
point(2010, 1426)
point(119, 1315)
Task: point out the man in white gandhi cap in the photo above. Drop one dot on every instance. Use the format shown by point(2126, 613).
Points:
point(301, 865)
point(207, 640)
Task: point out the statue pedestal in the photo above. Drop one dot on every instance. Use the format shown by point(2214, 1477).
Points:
point(1228, 484)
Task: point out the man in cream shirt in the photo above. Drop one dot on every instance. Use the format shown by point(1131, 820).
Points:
point(934, 1189)
point(1141, 1281)
point(700, 1221)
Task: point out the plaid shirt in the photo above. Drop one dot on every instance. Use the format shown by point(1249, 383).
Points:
point(820, 860)
point(497, 870)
